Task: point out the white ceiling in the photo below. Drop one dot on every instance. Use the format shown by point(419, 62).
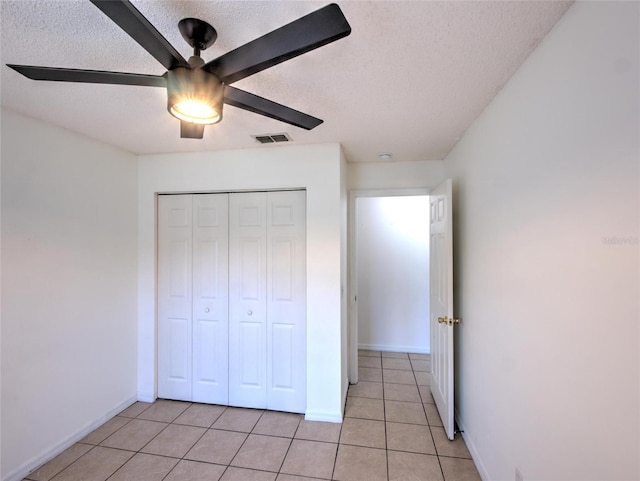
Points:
point(410, 79)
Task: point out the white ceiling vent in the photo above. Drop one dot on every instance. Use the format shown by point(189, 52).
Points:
point(272, 138)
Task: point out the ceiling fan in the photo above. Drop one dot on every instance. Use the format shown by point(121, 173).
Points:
point(197, 90)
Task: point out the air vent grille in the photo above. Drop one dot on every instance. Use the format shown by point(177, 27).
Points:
point(272, 138)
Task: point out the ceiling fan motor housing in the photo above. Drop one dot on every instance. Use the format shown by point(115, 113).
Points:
point(194, 88)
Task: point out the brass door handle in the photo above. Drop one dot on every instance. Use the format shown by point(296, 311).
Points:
point(446, 320)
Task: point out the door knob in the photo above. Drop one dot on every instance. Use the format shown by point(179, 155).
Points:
point(206, 309)
point(249, 312)
point(446, 320)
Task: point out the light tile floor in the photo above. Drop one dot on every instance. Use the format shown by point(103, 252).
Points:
point(391, 432)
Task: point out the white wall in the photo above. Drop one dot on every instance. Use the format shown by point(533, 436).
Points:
point(547, 258)
point(393, 273)
point(344, 276)
point(394, 175)
point(69, 289)
point(314, 168)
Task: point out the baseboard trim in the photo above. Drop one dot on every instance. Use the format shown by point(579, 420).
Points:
point(147, 397)
point(34, 463)
point(394, 348)
point(482, 470)
point(324, 416)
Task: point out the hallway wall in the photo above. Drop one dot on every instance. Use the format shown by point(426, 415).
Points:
point(393, 273)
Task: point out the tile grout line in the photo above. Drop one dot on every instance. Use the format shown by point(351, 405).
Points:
point(139, 451)
point(430, 431)
point(206, 429)
point(384, 415)
point(288, 448)
point(335, 459)
point(241, 445)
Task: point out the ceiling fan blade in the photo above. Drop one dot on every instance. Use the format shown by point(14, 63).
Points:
point(129, 19)
point(89, 76)
point(300, 36)
point(190, 130)
point(259, 105)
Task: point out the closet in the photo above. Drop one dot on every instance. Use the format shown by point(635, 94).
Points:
point(232, 299)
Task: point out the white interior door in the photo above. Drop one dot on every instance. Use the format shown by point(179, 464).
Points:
point(247, 299)
point(441, 297)
point(210, 298)
point(175, 297)
point(286, 301)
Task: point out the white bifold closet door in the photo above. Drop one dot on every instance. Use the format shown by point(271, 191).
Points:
point(267, 329)
point(232, 299)
point(193, 299)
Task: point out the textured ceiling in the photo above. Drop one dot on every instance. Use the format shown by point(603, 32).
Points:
point(410, 78)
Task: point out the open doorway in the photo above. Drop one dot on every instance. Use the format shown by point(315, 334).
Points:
point(389, 248)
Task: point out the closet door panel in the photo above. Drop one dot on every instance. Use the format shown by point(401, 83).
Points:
point(210, 298)
point(206, 365)
point(174, 296)
point(247, 299)
point(286, 301)
point(248, 365)
point(176, 338)
point(282, 374)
